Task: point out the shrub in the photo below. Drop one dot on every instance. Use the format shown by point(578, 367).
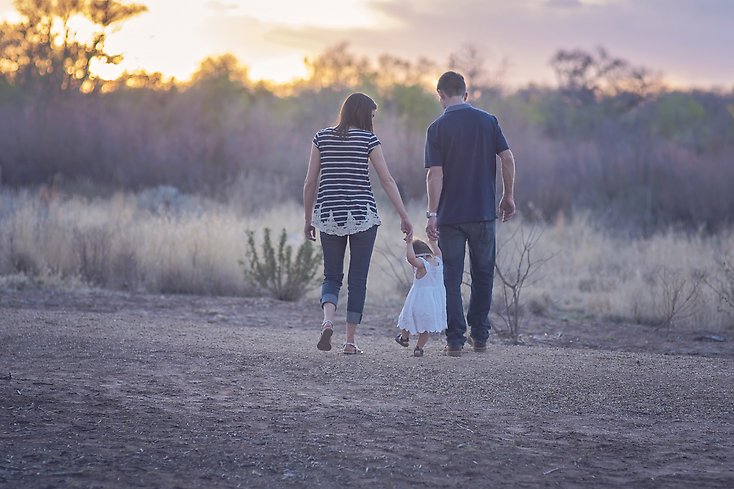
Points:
point(514, 267)
point(277, 271)
point(724, 286)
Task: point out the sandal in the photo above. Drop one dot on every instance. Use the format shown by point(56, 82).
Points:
point(418, 352)
point(404, 342)
point(327, 329)
point(351, 349)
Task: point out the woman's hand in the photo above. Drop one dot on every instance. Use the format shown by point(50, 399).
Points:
point(407, 228)
point(309, 231)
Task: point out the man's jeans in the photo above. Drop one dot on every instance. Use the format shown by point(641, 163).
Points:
point(360, 254)
point(481, 239)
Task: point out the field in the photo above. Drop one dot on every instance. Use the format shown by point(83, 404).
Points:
point(163, 241)
point(110, 377)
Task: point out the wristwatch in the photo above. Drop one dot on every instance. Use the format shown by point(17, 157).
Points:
point(430, 214)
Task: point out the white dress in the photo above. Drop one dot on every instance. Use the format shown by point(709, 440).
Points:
point(425, 306)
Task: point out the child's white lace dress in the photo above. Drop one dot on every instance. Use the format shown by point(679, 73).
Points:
point(425, 306)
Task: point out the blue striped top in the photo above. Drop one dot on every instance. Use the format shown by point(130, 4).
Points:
point(345, 203)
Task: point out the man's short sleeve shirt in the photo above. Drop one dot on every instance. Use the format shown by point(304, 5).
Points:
point(465, 142)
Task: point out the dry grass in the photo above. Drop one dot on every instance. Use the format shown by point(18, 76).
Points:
point(185, 245)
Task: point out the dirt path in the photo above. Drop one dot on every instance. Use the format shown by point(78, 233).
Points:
point(115, 391)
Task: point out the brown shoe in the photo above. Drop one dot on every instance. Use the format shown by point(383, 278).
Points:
point(453, 351)
point(479, 346)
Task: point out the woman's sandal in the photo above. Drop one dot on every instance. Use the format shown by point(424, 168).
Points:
point(351, 349)
point(327, 329)
point(404, 342)
point(417, 352)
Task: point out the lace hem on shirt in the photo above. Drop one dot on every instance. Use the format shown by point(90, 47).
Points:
point(328, 224)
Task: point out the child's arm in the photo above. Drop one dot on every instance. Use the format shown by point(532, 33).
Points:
point(410, 255)
point(434, 247)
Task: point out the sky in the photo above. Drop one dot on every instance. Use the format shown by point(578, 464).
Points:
point(686, 41)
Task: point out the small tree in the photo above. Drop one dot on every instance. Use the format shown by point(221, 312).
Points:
point(44, 50)
point(276, 270)
point(724, 287)
point(514, 269)
point(676, 298)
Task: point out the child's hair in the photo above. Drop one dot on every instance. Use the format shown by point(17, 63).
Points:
point(421, 248)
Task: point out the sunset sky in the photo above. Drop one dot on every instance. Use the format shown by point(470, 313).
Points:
point(688, 41)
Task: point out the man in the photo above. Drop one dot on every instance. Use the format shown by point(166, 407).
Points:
point(461, 157)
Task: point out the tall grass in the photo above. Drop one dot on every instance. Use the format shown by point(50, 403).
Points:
point(165, 242)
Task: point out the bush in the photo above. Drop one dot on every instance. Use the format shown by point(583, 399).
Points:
point(276, 271)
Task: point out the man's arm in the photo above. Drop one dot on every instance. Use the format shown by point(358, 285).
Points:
point(434, 186)
point(507, 202)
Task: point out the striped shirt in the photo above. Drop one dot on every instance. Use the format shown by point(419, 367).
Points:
point(345, 203)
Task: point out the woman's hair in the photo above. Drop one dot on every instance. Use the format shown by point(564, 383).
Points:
point(356, 112)
point(421, 248)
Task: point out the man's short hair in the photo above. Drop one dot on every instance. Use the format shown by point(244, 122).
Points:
point(451, 83)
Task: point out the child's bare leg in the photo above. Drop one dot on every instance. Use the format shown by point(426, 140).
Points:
point(422, 340)
point(405, 334)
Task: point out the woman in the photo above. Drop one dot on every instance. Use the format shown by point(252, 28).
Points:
point(344, 210)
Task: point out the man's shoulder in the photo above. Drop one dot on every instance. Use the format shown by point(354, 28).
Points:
point(485, 114)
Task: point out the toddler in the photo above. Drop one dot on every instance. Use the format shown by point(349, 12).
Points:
point(425, 307)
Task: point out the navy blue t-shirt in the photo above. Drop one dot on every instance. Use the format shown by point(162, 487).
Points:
point(465, 142)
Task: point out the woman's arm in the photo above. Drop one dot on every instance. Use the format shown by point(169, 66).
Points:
point(309, 191)
point(391, 189)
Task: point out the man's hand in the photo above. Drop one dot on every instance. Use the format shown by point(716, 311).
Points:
point(507, 208)
point(432, 228)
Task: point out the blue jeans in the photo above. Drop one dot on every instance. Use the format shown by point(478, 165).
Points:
point(360, 254)
point(452, 240)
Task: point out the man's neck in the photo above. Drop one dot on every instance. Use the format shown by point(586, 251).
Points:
point(451, 101)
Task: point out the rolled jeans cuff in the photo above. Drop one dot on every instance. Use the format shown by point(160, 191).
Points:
point(354, 317)
point(334, 299)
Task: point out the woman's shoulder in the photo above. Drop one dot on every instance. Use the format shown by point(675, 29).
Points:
point(325, 131)
point(362, 134)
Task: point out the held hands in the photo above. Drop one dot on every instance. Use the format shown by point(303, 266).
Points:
point(407, 228)
point(432, 228)
point(507, 208)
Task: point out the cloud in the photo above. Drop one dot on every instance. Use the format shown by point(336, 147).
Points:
point(687, 43)
point(221, 7)
point(564, 3)
point(686, 40)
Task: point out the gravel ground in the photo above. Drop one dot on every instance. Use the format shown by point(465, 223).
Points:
point(104, 390)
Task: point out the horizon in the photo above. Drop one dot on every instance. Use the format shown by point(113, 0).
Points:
point(273, 40)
